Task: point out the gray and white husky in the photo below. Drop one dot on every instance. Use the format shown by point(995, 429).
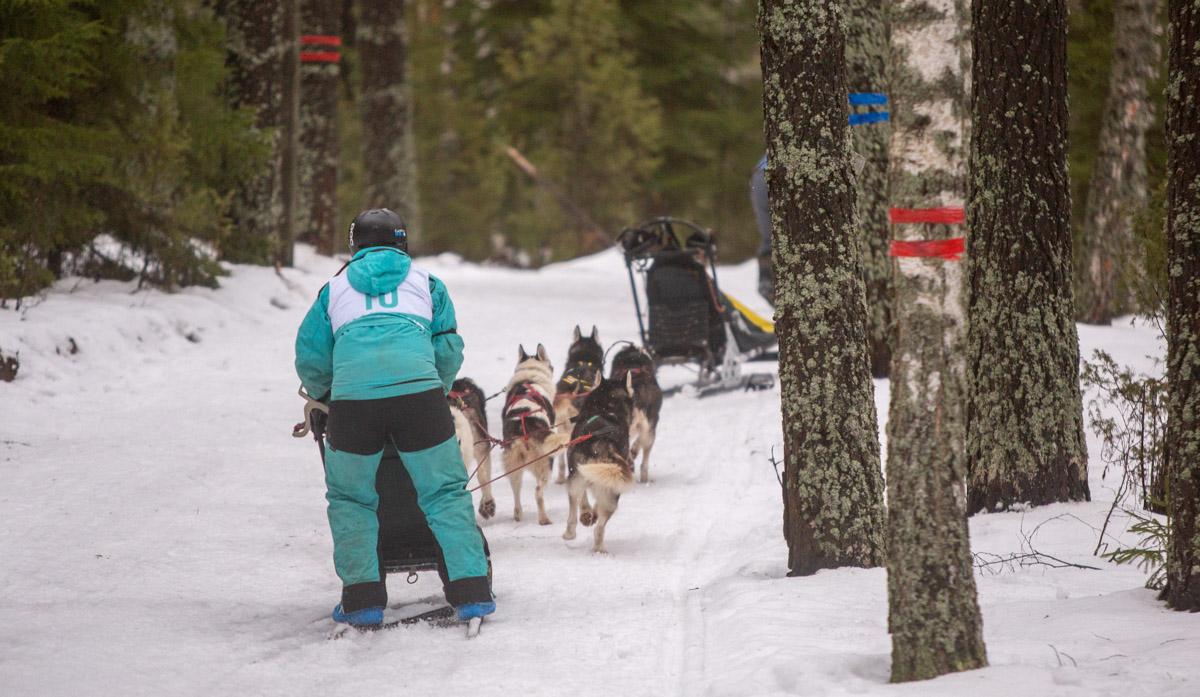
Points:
point(470, 425)
point(635, 362)
point(529, 431)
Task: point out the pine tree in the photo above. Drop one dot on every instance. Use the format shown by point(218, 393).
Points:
point(833, 487)
point(1118, 189)
point(319, 151)
point(1182, 443)
point(576, 110)
point(1024, 423)
point(933, 614)
point(257, 51)
point(389, 152)
point(866, 57)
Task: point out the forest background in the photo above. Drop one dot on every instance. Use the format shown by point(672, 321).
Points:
point(121, 149)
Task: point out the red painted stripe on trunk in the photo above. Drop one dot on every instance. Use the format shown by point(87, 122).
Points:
point(322, 40)
point(319, 58)
point(945, 249)
point(927, 215)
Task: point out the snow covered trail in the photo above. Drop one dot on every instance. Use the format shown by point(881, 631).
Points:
point(162, 533)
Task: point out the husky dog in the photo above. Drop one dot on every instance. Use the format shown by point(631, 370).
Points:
point(600, 462)
point(470, 425)
point(585, 363)
point(529, 426)
point(647, 400)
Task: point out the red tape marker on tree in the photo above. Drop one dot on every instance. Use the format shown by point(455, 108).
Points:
point(319, 57)
point(948, 216)
point(945, 249)
point(311, 39)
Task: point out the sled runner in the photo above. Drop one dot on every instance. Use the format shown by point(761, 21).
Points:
point(686, 318)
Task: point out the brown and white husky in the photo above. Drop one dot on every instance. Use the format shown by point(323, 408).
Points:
point(529, 427)
point(599, 460)
point(470, 425)
point(585, 364)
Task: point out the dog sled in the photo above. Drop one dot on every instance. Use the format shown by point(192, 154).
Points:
point(685, 318)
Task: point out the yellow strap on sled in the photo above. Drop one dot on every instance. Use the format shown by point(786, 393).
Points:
point(764, 324)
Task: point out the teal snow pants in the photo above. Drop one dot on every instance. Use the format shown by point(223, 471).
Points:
point(422, 429)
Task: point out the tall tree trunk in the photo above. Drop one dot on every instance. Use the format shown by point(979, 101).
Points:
point(933, 614)
point(389, 158)
point(320, 145)
point(866, 60)
point(1117, 191)
point(257, 56)
point(1183, 304)
point(1024, 407)
point(833, 487)
point(290, 131)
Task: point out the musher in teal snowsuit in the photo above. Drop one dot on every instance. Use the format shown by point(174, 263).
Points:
point(380, 345)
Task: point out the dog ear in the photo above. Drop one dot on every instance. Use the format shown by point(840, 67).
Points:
point(578, 334)
point(521, 355)
point(595, 334)
point(541, 353)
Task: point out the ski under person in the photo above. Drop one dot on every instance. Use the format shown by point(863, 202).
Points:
point(380, 344)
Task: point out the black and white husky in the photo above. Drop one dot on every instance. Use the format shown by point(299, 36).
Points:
point(635, 362)
point(599, 460)
point(585, 364)
point(529, 427)
point(470, 425)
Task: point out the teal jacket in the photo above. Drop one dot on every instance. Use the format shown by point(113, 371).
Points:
point(384, 328)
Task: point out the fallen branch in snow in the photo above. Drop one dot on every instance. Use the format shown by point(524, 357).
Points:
point(775, 463)
point(996, 563)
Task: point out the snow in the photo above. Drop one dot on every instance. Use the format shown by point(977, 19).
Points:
point(162, 533)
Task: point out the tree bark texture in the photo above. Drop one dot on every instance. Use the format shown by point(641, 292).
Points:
point(1024, 407)
point(1117, 191)
point(1183, 309)
point(289, 131)
point(389, 156)
point(933, 614)
point(320, 148)
point(833, 487)
point(866, 60)
point(256, 53)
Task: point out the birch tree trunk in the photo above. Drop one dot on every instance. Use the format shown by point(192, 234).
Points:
point(1024, 408)
point(1118, 188)
point(933, 614)
point(256, 54)
point(1183, 305)
point(866, 59)
point(320, 146)
point(833, 487)
point(389, 156)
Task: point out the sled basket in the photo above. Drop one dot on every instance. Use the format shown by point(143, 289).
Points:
point(686, 317)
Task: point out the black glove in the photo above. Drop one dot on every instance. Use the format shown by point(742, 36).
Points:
point(317, 422)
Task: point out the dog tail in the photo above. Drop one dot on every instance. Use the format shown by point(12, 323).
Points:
point(617, 476)
point(557, 440)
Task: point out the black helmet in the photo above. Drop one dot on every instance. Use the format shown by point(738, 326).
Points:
point(377, 227)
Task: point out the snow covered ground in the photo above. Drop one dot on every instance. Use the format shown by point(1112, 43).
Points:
point(161, 532)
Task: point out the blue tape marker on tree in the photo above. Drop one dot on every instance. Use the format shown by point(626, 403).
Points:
point(867, 98)
point(871, 117)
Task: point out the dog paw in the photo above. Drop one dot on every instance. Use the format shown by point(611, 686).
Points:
point(599, 550)
point(517, 514)
point(569, 535)
point(587, 518)
point(543, 521)
point(487, 509)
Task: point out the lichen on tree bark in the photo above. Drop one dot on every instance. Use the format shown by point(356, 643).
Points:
point(933, 615)
point(1024, 423)
point(833, 486)
point(1183, 304)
